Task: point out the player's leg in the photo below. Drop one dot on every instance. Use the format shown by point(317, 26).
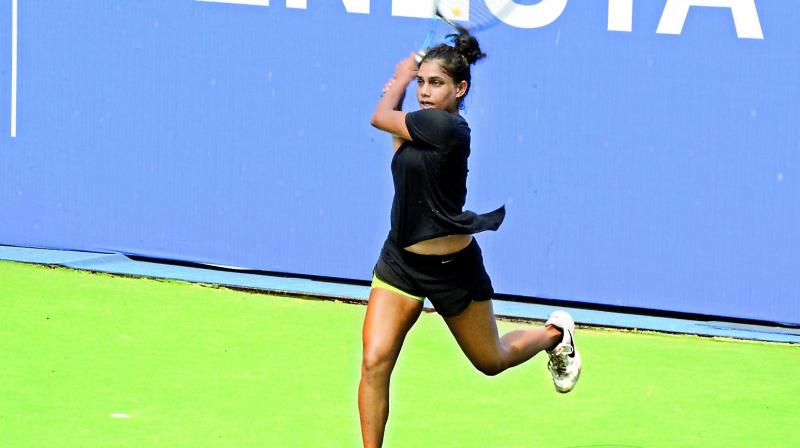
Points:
point(475, 330)
point(389, 317)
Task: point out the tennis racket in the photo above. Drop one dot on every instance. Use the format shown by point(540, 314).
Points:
point(449, 16)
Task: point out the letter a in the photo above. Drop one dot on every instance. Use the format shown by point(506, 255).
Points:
point(745, 16)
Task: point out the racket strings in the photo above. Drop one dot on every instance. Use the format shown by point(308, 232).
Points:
point(480, 16)
point(472, 15)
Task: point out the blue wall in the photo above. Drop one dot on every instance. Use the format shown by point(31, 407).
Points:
point(638, 168)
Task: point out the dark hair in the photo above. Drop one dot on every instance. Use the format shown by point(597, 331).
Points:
point(456, 59)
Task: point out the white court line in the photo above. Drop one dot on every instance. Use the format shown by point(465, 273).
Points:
point(13, 68)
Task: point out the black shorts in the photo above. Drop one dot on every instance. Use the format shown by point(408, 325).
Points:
point(450, 282)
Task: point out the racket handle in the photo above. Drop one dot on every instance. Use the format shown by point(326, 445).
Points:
point(419, 55)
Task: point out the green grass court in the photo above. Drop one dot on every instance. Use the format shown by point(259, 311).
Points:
point(93, 360)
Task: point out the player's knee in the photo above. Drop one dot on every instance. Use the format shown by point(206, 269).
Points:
point(490, 367)
point(376, 361)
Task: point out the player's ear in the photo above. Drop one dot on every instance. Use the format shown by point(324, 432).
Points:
point(461, 89)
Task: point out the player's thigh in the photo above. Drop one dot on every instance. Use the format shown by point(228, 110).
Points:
point(389, 317)
point(475, 330)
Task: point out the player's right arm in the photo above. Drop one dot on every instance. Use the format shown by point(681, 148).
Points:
point(388, 116)
point(396, 141)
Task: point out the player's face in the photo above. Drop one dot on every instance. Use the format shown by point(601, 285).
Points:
point(436, 89)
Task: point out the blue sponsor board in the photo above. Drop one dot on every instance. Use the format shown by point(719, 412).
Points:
point(647, 151)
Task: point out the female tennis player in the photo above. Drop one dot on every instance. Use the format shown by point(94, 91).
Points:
point(430, 251)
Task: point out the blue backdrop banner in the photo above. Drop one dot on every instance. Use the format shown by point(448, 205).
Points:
point(646, 151)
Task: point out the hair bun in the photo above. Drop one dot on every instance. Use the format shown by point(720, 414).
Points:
point(467, 45)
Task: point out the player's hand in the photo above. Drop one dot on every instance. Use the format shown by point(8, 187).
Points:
point(406, 70)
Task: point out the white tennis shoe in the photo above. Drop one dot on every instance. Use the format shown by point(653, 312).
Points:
point(565, 361)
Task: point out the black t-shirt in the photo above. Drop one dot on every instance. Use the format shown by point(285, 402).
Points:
point(430, 181)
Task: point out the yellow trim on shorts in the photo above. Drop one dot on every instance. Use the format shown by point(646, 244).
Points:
point(378, 283)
